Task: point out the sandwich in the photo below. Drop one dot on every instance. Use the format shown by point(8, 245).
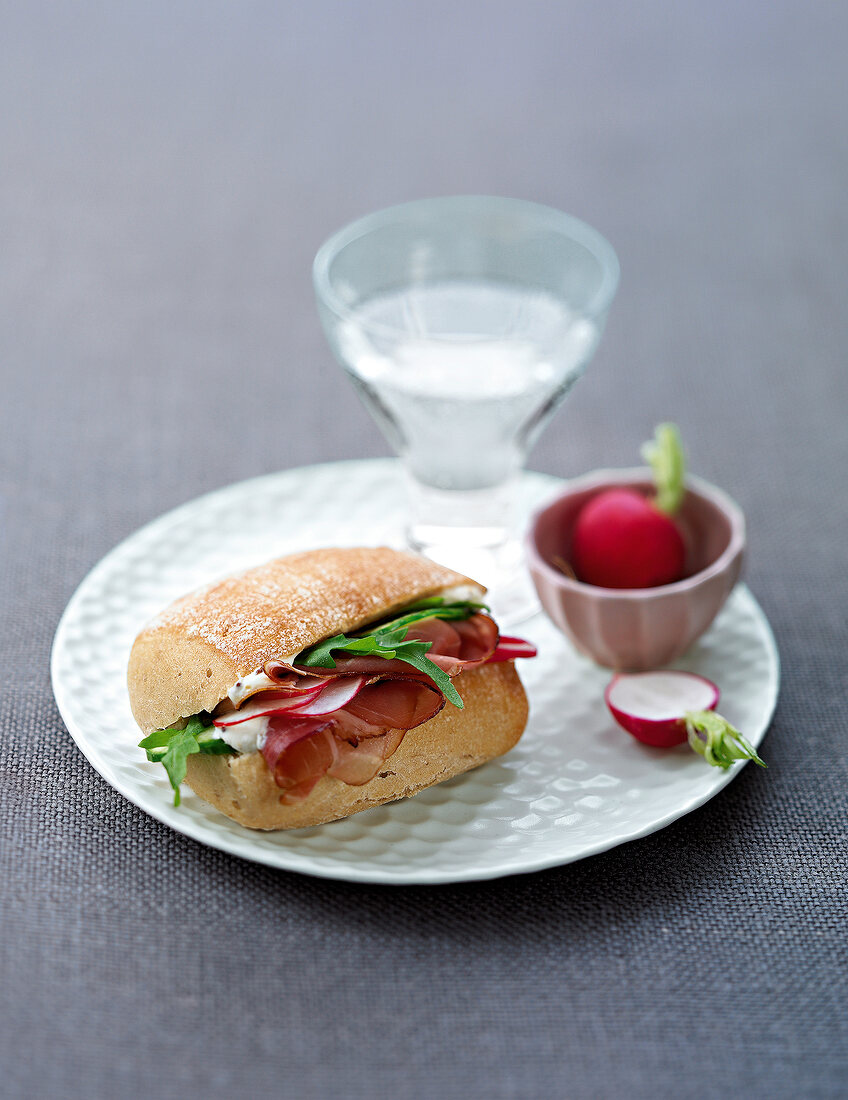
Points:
point(324, 683)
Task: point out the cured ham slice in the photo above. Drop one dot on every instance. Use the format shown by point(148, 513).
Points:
point(358, 764)
point(303, 764)
point(283, 733)
point(323, 754)
point(445, 639)
point(478, 637)
point(352, 743)
point(372, 666)
point(396, 704)
point(346, 721)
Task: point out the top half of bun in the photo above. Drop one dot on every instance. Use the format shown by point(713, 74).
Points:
point(186, 660)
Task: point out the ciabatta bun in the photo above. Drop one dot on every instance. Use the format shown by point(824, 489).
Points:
point(188, 658)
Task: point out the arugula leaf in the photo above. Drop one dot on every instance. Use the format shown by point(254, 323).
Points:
point(388, 640)
point(172, 748)
point(448, 612)
point(415, 654)
point(412, 653)
point(441, 602)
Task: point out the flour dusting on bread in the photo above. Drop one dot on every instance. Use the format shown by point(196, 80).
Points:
point(283, 606)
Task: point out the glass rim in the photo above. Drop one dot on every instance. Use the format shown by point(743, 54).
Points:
point(567, 224)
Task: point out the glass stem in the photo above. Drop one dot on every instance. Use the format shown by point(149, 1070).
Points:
point(472, 518)
point(474, 532)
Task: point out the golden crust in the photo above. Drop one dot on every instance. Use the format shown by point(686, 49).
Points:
point(453, 742)
point(188, 658)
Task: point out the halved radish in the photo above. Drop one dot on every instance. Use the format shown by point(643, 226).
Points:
point(652, 705)
point(667, 708)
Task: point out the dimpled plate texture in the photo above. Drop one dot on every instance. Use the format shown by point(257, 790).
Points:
point(575, 784)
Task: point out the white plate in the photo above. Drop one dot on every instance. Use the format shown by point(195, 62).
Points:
point(574, 785)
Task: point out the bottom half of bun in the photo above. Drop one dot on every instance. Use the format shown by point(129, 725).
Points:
point(494, 717)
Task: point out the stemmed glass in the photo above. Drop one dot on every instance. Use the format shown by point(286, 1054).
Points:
point(464, 322)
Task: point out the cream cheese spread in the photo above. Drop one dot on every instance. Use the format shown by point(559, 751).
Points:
point(246, 736)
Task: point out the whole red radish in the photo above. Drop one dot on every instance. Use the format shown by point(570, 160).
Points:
point(623, 539)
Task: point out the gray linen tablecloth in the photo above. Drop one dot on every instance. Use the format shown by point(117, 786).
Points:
point(168, 172)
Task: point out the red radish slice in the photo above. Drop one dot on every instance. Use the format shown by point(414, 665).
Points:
point(269, 702)
point(333, 697)
point(510, 648)
point(651, 705)
point(327, 697)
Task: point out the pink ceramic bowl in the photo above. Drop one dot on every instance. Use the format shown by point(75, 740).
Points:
point(638, 628)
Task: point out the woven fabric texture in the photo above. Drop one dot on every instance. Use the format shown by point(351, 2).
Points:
point(168, 174)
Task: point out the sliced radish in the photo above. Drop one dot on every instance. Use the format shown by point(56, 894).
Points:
point(333, 697)
point(652, 705)
point(508, 649)
point(269, 702)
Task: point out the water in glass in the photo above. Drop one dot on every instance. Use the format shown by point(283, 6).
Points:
point(462, 375)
